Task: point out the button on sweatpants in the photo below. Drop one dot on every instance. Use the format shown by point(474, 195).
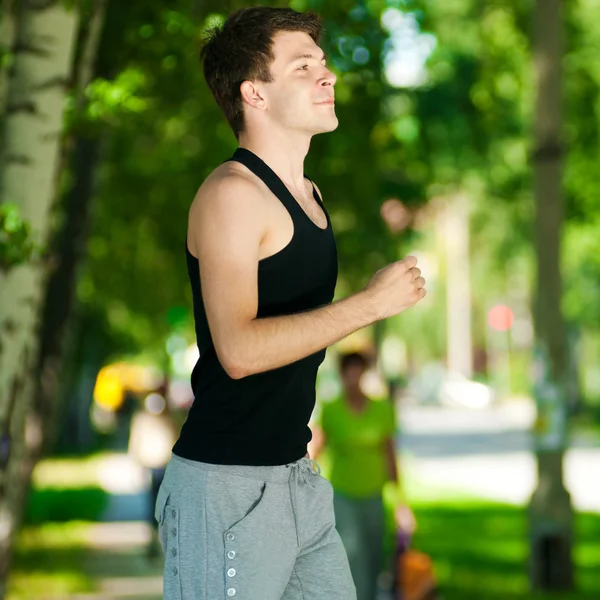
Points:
point(250, 533)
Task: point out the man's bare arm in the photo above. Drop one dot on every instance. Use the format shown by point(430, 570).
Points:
point(229, 222)
point(277, 341)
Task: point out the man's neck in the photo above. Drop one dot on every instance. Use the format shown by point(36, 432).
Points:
point(282, 151)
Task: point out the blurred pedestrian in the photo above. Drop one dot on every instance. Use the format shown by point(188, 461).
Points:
point(153, 433)
point(359, 435)
point(123, 416)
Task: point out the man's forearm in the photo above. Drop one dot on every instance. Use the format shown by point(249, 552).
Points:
point(273, 342)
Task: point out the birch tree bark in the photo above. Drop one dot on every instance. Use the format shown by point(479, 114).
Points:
point(7, 34)
point(43, 50)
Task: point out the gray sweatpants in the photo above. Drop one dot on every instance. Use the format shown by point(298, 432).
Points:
point(253, 533)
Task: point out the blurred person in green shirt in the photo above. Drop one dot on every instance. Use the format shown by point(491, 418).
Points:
point(358, 433)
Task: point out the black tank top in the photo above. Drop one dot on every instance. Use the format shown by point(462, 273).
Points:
point(262, 419)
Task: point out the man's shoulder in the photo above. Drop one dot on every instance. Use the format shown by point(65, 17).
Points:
point(227, 187)
point(228, 178)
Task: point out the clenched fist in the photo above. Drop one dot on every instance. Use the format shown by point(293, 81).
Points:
point(396, 287)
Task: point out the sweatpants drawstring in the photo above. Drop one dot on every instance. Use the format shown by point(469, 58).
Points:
point(302, 473)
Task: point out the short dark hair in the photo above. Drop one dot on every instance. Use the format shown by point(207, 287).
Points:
point(352, 358)
point(241, 49)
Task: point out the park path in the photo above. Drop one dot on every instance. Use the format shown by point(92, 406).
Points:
point(488, 453)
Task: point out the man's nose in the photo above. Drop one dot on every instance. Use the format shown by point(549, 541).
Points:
point(329, 78)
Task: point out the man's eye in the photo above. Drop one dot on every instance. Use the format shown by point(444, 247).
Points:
point(303, 68)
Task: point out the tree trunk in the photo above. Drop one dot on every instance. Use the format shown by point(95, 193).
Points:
point(45, 37)
point(67, 251)
point(59, 295)
point(550, 509)
point(455, 230)
point(7, 34)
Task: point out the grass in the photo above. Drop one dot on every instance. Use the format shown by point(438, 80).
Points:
point(49, 562)
point(480, 551)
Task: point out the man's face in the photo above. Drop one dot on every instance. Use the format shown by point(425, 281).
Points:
point(301, 95)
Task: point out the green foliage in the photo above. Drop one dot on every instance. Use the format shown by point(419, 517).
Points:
point(465, 129)
point(108, 100)
point(16, 243)
point(581, 174)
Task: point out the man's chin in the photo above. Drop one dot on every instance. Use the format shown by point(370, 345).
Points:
point(332, 125)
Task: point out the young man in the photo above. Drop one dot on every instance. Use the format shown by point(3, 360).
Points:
point(243, 511)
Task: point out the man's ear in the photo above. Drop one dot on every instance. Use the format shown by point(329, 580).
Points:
point(251, 95)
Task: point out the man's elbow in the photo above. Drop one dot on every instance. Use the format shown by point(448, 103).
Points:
point(233, 363)
point(236, 371)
